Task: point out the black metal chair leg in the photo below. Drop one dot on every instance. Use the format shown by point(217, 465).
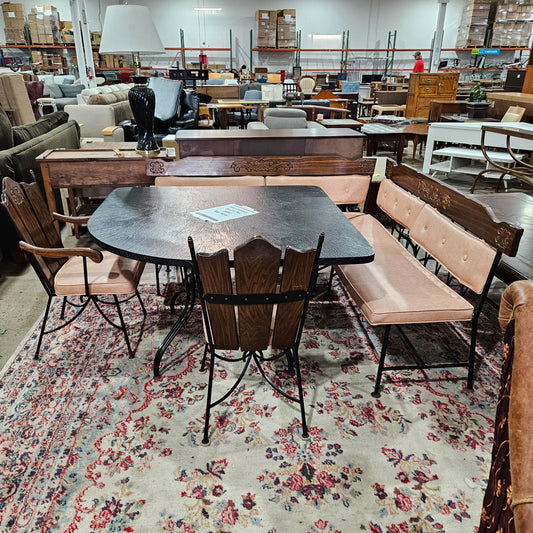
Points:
point(41, 334)
point(63, 307)
point(123, 327)
point(157, 283)
point(204, 357)
point(305, 432)
point(141, 302)
point(205, 440)
point(377, 386)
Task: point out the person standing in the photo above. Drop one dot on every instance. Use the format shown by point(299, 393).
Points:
point(419, 63)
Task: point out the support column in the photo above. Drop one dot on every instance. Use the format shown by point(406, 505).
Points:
point(437, 42)
point(82, 42)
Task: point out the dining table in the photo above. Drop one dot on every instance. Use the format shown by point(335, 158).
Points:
point(152, 224)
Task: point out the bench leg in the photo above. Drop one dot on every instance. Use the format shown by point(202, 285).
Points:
point(377, 386)
point(472, 357)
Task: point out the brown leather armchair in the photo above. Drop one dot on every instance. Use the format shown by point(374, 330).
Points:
point(509, 496)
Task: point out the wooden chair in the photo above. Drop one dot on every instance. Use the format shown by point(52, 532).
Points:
point(514, 114)
point(239, 315)
point(65, 271)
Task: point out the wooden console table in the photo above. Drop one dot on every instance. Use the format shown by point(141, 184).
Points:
point(341, 142)
point(96, 167)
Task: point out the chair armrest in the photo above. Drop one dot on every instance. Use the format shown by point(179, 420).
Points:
point(70, 219)
point(93, 255)
point(110, 129)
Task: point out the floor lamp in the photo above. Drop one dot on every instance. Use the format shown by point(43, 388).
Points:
point(130, 30)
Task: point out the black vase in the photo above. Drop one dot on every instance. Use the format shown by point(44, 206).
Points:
point(142, 103)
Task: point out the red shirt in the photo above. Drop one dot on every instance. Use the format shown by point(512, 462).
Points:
point(419, 66)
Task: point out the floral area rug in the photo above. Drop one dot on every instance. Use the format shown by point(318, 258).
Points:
point(90, 442)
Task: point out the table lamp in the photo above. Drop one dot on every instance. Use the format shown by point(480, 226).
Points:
point(129, 29)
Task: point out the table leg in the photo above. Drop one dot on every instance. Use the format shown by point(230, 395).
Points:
point(50, 198)
point(190, 283)
point(399, 149)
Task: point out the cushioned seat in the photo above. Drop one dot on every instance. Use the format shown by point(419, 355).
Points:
point(114, 275)
point(377, 287)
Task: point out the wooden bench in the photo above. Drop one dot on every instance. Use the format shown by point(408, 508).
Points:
point(345, 181)
point(438, 222)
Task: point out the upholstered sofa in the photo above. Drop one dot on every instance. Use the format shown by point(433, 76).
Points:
point(19, 146)
point(99, 114)
point(508, 502)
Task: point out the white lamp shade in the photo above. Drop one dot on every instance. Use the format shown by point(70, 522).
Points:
point(129, 29)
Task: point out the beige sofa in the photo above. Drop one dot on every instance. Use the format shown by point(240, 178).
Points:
point(99, 113)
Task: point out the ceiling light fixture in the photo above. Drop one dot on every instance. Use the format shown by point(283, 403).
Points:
point(208, 10)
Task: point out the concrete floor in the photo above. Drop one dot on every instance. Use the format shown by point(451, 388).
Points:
point(23, 299)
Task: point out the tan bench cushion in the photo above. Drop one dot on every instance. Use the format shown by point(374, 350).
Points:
point(114, 275)
point(194, 181)
point(466, 256)
point(395, 288)
point(402, 206)
point(345, 189)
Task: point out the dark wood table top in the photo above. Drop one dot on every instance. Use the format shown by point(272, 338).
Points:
point(152, 223)
point(340, 123)
point(277, 133)
point(515, 208)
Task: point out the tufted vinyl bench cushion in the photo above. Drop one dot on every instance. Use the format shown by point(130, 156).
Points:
point(396, 288)
point(343, 189)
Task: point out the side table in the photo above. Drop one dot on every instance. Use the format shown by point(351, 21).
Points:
point(94, 168)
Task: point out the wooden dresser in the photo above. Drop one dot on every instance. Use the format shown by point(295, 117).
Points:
point(423, 88)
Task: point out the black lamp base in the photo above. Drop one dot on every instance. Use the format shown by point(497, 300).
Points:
point(142, 103)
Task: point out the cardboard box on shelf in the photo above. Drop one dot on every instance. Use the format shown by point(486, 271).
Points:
point(15, 23)
point(36, 56)
point(15, 36)
point(286, 15)
point(67, 37)
point(286, 43)
point(266, 42)
point(65, 25)
point(268, 17)
point(96, 37)
point(11, 7)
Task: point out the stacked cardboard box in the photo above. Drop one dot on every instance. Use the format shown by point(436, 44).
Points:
point(112, 61)
point(286, 28)
point(266, 28)
point(474, 24)
point(96, 37)
point(66, 32)
point(14, 22)
point(513, 24)
point(44, 24)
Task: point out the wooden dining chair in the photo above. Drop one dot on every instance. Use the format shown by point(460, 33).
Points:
point(256, 310)
point(69, 272)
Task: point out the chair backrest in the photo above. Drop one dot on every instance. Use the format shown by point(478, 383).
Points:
point(514, 114)
point(29, 212)
point(391, 97)
point(285, 118)
point(350, 86)
point(231, 81)
point(252, 94)
point(306, 84)
point(235, 319)
point(214, 81)
point(167, 97)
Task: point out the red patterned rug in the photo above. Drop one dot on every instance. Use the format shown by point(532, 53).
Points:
point(90, 442)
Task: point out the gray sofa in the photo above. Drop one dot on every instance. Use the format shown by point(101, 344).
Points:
point(19, 146)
